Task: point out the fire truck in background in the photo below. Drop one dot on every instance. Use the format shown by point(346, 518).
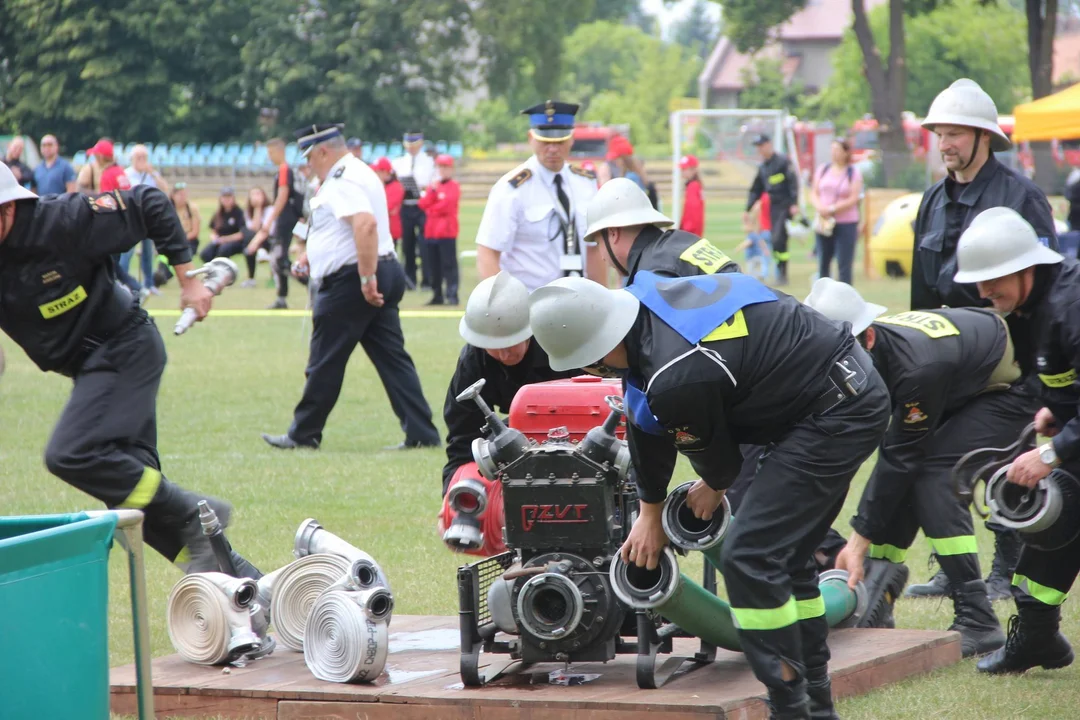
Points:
point(591, 140)
point(865, 137)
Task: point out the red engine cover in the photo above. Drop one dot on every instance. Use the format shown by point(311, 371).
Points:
point(575, 403)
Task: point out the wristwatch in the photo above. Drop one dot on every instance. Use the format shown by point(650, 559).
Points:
point(1048, 455)
point(365, 279)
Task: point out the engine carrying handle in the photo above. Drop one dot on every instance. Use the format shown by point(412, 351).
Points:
point(982, 464)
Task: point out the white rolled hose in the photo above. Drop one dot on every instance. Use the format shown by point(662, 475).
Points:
point(297, 587)
point(347, 637)
point(311, 538)
point(209, 620)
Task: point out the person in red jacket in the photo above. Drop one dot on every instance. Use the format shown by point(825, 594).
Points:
point(440, 204)
point(114, 178)
point(693, 214)
point(395, 195)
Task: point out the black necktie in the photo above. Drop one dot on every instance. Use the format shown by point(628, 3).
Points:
point(563, 200)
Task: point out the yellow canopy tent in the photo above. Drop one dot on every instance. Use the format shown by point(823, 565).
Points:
point(1054, 117)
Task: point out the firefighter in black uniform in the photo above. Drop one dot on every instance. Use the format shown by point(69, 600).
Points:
point(711, 362)
point(501, 351)
point(634, 236)
point(1002, 253)
point(777, 177)
point(941, 367)
point(60, 302)
point(965, 119)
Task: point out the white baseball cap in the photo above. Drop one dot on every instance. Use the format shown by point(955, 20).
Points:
point(10, 189)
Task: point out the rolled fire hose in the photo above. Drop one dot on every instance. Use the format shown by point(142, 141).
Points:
point(209, 618)
point(312, 538)
point(347, 634)
point(694, 609)
point(298, 586)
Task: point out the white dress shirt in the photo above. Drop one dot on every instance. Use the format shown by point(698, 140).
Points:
point(420, 167)
point(522, 223)
point(350, 187)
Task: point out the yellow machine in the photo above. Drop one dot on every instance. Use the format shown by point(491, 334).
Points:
point(893, 237)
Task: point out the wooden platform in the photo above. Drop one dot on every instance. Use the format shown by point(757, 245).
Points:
point(421, 682)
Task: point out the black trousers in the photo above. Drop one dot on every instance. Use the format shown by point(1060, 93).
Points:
point(1044, 577)
point(105, 442)
point(279, 254)
point(840, 244)
point(828, 549)
point(767, 559)
point(228, 249)
point(342, 318)
point(412, 243)
point(442, 254)
point(994, 419)
point(778, 217)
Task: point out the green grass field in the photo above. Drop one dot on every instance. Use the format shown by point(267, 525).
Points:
point(230, 378)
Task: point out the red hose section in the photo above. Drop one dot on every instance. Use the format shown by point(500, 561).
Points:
point(491, 520)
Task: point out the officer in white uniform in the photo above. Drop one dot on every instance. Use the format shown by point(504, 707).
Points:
point(415, 171)
point(534, 220)
point(351, 256)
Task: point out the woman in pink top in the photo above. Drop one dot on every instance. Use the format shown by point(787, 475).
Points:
point(835, 193)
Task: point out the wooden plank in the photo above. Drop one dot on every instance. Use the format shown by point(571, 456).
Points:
point(172, 705)
point(306, 710)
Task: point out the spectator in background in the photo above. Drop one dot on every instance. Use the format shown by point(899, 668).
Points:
point(620, 157)
point(53, 175)
point(835, 193)
point(228, 231)
point(692, 219)
point(415, 170)
point(189, 215)
point(141, 172)
point(395, 195)
point(19, 169)
point(89, 178)
point(257, 215)
point(440, 205)
point(356, 146)
point(757, 260)
point(288, 208)
point(111, 177)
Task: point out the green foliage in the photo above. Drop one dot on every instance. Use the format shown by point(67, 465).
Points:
point(697, 30)
point(764, 85)
point(600, 57)
point(962, 38)
point(747, 22)
point(490, 122)
point(642, 94)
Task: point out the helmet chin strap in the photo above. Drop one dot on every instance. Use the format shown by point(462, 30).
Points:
point(974, 149)
point(611, 254)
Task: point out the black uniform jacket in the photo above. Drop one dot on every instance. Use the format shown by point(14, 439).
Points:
point(777, 177)
point(57, 277)
point(675, 253)
point(464, 421)
point(712, 397)
point(933, 364)
point(1054, 309)
point(941, 221)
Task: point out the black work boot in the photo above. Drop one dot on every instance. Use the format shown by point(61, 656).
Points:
point(979, 629)
point(884, 582)
point(789, 701)
point(1033, 640)
point(819, 689)
point(181, 512)
point(937, 586)
point(1007, 547)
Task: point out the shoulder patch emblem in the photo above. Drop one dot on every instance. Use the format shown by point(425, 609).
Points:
point(914, 415)
point(102, 203)
point(684, 438)
point(583, 172)
point(520, 178)
point(340, 171)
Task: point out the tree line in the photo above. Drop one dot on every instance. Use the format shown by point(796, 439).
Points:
point(212, 71)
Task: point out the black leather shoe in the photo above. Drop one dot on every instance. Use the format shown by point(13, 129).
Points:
point(435, 301)
point(284, 442)
point(411, 446)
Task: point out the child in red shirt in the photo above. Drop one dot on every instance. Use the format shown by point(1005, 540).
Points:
point(395, 195)
point(440, 203)
point(693, 214)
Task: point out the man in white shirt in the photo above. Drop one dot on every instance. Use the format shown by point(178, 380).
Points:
point(534, 221)
point(415, 171)
point(350, 254)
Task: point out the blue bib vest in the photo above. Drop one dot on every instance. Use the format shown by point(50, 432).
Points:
point(703, 307)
